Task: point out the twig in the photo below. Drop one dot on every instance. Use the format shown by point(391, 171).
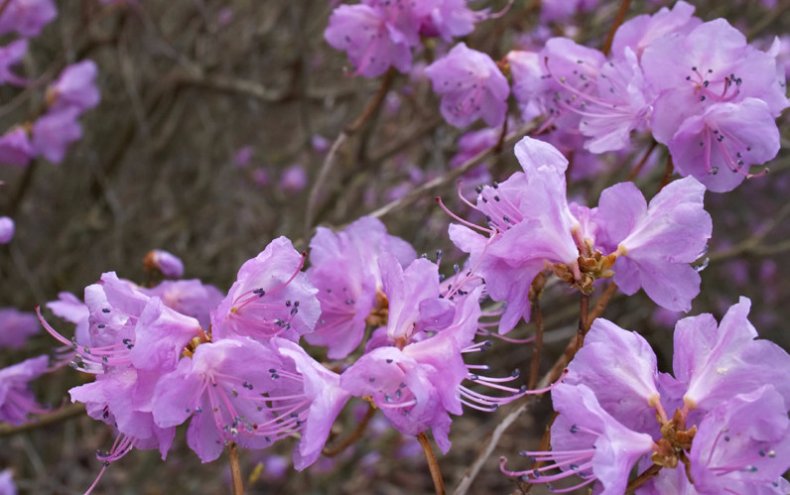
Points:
point(447, 178)
point(639, 166)
point(433, 465)
point(669, 168)
point(331, 157)
point(51, 418)
point(602, 303)
point(537, 318)
point(618, 21)
point(584, 310)
point(235, 469)
point(643, 478)
point(353, 437)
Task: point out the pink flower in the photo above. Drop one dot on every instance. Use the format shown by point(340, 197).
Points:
point(471, 86)
point(16, 327)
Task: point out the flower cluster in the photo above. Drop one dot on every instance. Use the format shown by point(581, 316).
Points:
point(379, 34)
point(697, 87)
point(718, 425)
point(532, 228)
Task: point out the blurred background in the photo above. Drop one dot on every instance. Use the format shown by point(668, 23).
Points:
point(215, 119)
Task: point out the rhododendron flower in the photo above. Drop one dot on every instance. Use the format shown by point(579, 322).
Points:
point(374, 38)
point(16, 327)
point(189, 297)
point(587, 441)
point(133, 339)
point(165, 263)
point(293, 178)
point(15, 148)
point(70, 308)
point(559, 81)
point(713, 87)
point(345, 270)
point(641, 31)
point(447, 18)
point(55, 131)
point(271, 297)
point(229, 400)
point(17, 402)
point(656, 243)
point(471, 86)
point(27, 17)
point(729, 430)
point(75, 87)
point(7, 230)
point(10, 55)
point(413, 367)
point(532, 228)
point(7, 486)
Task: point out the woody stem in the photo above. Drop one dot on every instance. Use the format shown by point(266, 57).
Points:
point(433, 464)
point(235, 469)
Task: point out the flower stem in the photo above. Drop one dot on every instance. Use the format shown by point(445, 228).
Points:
point(584, 310)
point(355, 435)
point(235, 469)
point(537, 319)
point(618, 21)
point(433, 465)
point(643, 478)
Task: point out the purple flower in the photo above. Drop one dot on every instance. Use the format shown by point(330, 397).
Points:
point(756, 430)
point(10, 55)
point(243, 155)
point(656, 243)
point(471, 86)
point(122, 398)
point(15, 148)
point(27, 17)
point(530, 225)
point(76, 87)
point(718, 146)
point(643, 30)
point(587, 442)
point(55, 131)
point(413, 368)
point(165, 263)
point(7, 486)
point(447, 18)
point(293, 178)
point(16, 327)
point(374, 37)
point(729, 430)
point(717, 100)
point(189, 297)
point(623, 105)
point(17, 402)
point(70, 308)
point(7, 230)
point(528, 73)
point(628, 389)
point(133, 339)
point(228, 400)
point(345, 270)
point(271, 297)
point(713, 363)
point(470, 145)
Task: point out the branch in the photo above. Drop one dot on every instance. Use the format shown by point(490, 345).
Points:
point(355, 435)
point(618, 21)
point(433, 464)
point(449, 177)
point(235, 469)
point(51, 418)
point(331, 157)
